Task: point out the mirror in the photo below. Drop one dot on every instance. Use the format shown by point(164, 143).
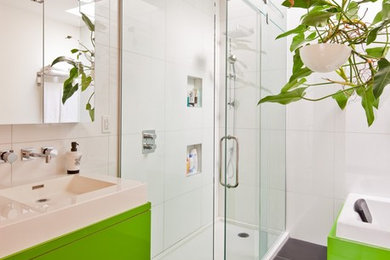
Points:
point(47, 63)
point(21, 30)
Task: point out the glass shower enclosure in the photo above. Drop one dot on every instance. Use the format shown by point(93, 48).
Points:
point(252, 137)
point(192, 73)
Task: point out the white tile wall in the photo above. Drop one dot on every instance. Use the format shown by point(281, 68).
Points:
point(164, 43)
point(99, 150)
point(331, 153)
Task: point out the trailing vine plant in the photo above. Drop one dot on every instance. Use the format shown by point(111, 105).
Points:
point(82, 69)
point(367, 71)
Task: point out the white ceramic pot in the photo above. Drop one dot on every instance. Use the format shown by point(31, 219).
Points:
point(325, 57)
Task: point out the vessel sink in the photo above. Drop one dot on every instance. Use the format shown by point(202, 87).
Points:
point(351, 227)
point(34, 213)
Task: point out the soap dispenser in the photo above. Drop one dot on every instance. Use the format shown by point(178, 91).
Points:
point(73, 159)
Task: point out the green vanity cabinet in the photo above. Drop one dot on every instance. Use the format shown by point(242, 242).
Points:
point(125, 236)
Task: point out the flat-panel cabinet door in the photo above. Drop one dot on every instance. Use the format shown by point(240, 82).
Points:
point(128, 240)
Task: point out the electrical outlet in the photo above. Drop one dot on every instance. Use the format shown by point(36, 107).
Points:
point(106, 127)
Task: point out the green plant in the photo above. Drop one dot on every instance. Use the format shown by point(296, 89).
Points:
point(367, 71)
point(82, 68)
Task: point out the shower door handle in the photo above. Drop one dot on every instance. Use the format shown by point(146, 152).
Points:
point(229, 137)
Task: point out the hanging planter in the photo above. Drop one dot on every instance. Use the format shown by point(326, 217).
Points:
point(333, 36)
point(325, 57)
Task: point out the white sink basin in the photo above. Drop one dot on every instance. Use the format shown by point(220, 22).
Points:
point(57, 193)
point(350, 226)
point(34, 213)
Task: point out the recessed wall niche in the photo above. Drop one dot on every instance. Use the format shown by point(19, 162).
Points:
point(194, 91)
point(193, 159)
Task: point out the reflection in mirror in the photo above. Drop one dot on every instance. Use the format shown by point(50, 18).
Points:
point(21, 30)
point(69, 50)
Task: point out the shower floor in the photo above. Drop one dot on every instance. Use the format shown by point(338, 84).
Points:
point(199, 246)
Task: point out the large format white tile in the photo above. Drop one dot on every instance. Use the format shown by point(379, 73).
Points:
point(273, 159)
point(5, 134)
point(142, 93)
point(207, 204)
point(147, 168)
point(197, 30)
point(157, 243)
point(309, 217)
point(177, 115)
point(361, 164)
point(182, 217)
point(277, 210)
point(310, 162)
point(176, 181)
point(144, 27)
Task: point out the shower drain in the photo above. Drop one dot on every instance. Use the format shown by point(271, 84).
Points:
point(243, 235)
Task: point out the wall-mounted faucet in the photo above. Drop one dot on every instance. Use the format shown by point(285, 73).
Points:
point(8, 156)
point(46, 152)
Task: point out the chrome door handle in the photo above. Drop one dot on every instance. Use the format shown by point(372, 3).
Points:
point(229, 137)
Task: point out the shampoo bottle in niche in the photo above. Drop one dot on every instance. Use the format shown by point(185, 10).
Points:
point(73, 160)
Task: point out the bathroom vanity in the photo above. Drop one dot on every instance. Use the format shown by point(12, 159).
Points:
point(75, 217)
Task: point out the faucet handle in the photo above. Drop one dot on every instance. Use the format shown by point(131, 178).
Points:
point(49, 153)
point(8, 156)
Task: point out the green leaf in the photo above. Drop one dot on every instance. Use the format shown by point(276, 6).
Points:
point(64, 59)
point(381, 78)
point(311, 37)
point(297, 41)
point(74, 50)
point(301, 73)
point(377, 52)
point(92, 114)
point(304, 3)
point(292, 85)
point(368, 101)
point(91, 111)
point(85, 81)
point(371, 37)
point(88, 22)
point(341, 99)
point(378, 17)
point(69, 89)
point(352, 11)
point(300, 29)
point(385, 10)
point(297, 62)
point(318, 16)
point(68, 92)
point(286, 97)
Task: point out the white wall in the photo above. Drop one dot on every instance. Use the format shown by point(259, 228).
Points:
point(100, 155)
point(331, 153)
point(163, 43)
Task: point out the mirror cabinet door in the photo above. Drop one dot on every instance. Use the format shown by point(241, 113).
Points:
point(47, 61)
point(21, 48)
point(69, 39)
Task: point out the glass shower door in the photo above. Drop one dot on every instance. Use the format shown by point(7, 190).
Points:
point(252, 143)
